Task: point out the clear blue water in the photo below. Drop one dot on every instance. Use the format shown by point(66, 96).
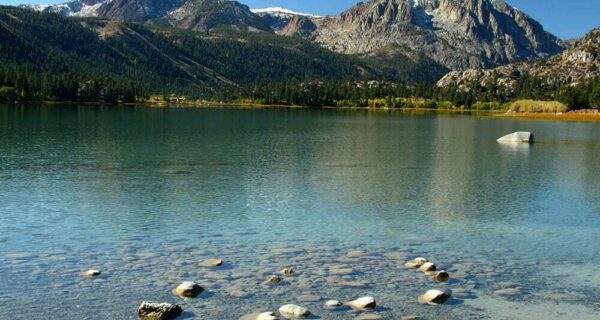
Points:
point(145, 195)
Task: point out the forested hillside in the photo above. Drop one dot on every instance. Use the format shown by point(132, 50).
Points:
point(50, 57)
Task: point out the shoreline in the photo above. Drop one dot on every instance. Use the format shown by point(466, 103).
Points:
point(568, 116)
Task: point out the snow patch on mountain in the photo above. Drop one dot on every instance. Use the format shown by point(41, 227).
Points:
point(282, 11)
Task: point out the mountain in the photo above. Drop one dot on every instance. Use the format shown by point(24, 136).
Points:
point(458, 34)
point(41, 54)
point(575, 65)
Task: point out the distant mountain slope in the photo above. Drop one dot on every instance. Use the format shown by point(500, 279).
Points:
point(197, 15)
point(164, 60)
point(579, 63)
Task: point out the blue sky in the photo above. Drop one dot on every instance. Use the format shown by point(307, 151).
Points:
point(565, 18)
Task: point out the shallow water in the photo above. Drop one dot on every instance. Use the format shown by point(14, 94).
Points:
point(146, 195)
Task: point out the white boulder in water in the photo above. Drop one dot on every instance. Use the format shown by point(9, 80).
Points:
point(92, 273)
point(364, 303)
point(188, 289)
point(416, 263)
point(517, 137)
point(332, 304)
point(427, 267)
point(435, 297)
point(292, 311)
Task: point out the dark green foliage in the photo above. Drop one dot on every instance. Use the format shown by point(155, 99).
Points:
point(400, 67)
point(8, 94)
point(581, 96)
point(326, 93)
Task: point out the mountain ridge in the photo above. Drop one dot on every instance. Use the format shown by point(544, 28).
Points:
point(456, 34)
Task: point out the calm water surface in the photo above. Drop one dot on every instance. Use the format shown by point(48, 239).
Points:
point(145, 195)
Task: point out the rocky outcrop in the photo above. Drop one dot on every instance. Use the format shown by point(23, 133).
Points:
point(579, 63)
point(457, 34)
point(298, 25)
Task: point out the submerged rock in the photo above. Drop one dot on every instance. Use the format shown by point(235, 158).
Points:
point(238, 293)
point(363, 303)
point(368, 316)
point(341, 271)
point(441, 276)
point(294, 311)
point(188, 289)
point(508, 292)
point(356, 253)
point(435, 297)
point(92, 273)
point(517, 137)
point(158, 311)
point(309, 298)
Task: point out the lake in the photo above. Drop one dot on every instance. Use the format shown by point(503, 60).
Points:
point(344, 198)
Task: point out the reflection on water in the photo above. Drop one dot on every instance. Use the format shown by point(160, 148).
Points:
point(146, 194)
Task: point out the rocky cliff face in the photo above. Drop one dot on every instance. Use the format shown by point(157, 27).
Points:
point(136, 10)
point(299, 25)
point(459, 34)
point(579, 63)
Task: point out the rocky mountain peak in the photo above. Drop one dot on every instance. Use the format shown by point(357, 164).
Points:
point(459, 34)
point(137, 10)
